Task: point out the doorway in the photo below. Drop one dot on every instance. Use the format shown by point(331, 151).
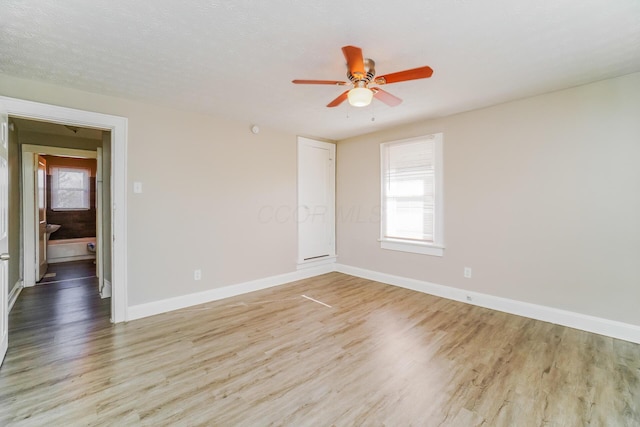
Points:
point(63, 213)
point(117, 126)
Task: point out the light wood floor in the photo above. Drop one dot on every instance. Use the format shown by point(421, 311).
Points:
point(380, 355)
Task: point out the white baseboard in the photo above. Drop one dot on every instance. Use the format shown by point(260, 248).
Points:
point(317, 262)
point(610, 328)
point(15, 291)
point(105, 292)
point(157, 307)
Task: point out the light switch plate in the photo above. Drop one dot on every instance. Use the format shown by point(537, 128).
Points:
point(137, 187)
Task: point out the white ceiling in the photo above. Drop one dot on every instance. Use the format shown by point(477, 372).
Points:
point(236, 58)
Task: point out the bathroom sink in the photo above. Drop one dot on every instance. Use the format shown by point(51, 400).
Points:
point(52, 228)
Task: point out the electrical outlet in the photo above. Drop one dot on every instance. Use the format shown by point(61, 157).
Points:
point(467, 272)
point(469, 298)
point(197, 274)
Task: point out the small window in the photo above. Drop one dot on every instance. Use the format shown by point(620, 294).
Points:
point(69, 189)
point(412, 195)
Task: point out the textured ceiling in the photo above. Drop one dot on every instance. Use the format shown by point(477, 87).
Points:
point(236, 58)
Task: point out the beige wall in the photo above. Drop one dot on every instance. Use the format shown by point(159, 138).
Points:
point(542, 201)
point(542, 198)
point(205, 180)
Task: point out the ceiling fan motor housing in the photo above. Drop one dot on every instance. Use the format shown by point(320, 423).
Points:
point(370, 72)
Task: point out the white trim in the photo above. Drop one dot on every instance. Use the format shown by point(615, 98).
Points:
point(15, 292)
point(29, 219)
point(157, 307)
point(60, 151)
point(99, 220)
point(610, 328)
point(316, 262)
point(118, 127)
point(105, 292)
point(413, 247)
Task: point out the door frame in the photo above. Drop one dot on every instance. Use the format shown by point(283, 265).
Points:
point(118, 127)
point(41, 233)
point(99, 228)
point(30, 232)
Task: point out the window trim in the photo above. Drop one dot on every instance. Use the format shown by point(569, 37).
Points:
point(435, 248)
point(86, 191)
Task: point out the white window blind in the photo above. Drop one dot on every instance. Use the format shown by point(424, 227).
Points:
point(411, 191)
point(69, 188)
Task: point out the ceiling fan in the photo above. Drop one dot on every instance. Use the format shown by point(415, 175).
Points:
point(361, 73)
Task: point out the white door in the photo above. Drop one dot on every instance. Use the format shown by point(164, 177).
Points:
point(4, 226)
point(316, 199)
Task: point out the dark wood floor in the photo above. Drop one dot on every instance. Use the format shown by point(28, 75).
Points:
point(64, 302)
point(69, 270)
point(371, 354)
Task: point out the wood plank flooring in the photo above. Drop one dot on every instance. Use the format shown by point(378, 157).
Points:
point(378, 356)
point(69, 270)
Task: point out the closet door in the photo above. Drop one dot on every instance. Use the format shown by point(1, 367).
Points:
point(316, 200)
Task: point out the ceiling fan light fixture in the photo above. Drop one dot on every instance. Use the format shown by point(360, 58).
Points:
point(360, 96)
point(360, 73)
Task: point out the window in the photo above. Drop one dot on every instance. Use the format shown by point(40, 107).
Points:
point(412, 195)
point(69, 188)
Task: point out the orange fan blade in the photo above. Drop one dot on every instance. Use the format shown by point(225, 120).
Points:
point(355, 62)
point(386, 97)
point(402, 76)
point(339, 100)
point(318, 82)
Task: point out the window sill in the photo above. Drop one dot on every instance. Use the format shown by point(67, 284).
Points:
point(413, 247)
